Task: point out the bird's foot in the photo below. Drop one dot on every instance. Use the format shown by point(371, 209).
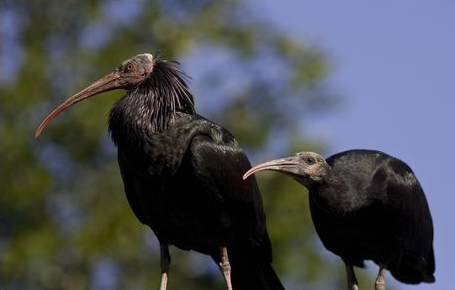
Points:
point(352, 279)
point(163, 284)
point(379, 284)
point(225, 267)
point(165, 262)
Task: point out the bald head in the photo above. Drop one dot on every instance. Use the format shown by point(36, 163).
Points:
point(305, 167)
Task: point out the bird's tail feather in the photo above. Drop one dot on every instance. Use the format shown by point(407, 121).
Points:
point(411, 271)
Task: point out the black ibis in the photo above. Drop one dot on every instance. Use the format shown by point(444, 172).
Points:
point(182, 173)
point(366, 205)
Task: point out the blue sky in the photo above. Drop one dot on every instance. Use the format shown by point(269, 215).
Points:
point(394, 64)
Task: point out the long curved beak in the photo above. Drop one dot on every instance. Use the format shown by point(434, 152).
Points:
point(287, 165)
point(106, 83)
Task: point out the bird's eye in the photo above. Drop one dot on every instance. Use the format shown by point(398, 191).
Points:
point(129, 67)
point(309, 160)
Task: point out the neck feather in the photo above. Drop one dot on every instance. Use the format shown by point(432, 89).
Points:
point(151, 106)
point(335, 196)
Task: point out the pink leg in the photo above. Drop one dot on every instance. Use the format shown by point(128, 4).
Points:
point(225, 267)
point(380, 280)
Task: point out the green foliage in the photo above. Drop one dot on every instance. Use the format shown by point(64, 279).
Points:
point(63, 211)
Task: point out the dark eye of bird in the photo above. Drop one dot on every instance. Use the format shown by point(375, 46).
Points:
point(309, 160)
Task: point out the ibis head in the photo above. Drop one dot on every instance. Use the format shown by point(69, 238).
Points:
point(129, 74)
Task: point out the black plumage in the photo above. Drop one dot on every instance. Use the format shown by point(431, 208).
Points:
point(366, 205)
point(183, 173)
